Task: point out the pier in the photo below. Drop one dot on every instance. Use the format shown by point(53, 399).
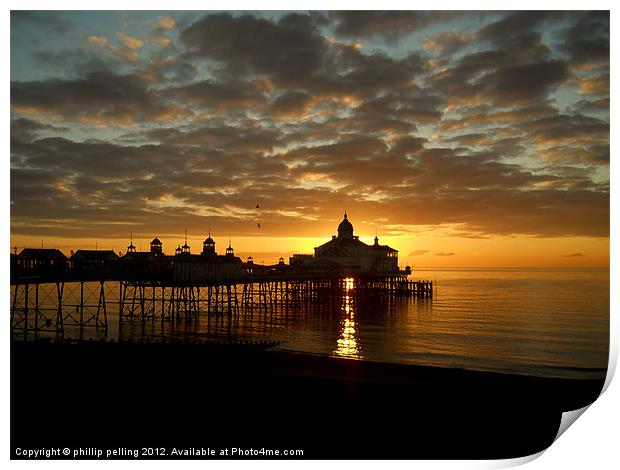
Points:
point(51, 291)
point(48, 305)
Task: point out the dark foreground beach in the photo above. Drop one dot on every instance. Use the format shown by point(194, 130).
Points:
point(153, 398)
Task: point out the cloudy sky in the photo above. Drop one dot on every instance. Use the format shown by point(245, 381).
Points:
point(461, 138)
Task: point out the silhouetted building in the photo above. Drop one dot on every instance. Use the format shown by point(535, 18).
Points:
point(346, 254)
point(151, 264)
point(229, 251)
point(41, 261)
point(208, 246)
point(249, 265)
point(208, 266)
point(94, 262)
point(156, 247)
point(139, 263)
point(299, 259)
point(131, 248)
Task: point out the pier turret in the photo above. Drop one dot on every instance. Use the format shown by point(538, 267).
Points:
point(131, 248)
point(185, 247)
point(156, 246)
point(345, 229)
point(229, 251)
point(208, 246)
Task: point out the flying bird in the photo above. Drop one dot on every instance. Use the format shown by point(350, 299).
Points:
point(258, 225)
point(257, 206)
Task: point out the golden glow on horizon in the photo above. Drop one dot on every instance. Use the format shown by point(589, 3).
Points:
point(429, 249)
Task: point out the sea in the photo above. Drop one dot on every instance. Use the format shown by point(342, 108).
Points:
point(547, 322)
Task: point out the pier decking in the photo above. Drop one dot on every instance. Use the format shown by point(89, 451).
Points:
point(49, 304)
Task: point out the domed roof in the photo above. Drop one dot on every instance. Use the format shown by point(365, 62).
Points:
point(209, 241)
point(345, 223)
point(345, 229)
point(156, 241)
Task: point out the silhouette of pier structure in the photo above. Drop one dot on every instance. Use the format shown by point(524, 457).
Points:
point(51, 291)
point(44, 305)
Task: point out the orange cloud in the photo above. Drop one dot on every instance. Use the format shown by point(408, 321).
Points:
point(167, 22)
point(129, 42)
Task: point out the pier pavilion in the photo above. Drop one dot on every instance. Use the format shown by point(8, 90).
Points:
point(346, 254)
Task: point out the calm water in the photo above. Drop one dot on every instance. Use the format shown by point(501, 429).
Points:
point(547, 322)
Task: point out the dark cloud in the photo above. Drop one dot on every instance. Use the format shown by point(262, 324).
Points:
point(289, 50)
point(522, 84)
point(599, 105)
point(447, 42)
point(491, 115)
point(566, 128)
point(587, 40)
point(99, 97)
point(221, 96)
point(518, 72)
point(573, 255)
point(24, 130)
point(592, 154)
point(292, 103)
point(40, 19)
point(420, 107)
point(515, 26)
point(441, 253)
point(292, 54)
point(418, 253)
point(390, 26)
point(219, 138)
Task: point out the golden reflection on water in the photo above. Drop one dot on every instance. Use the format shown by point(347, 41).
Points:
point(347, 343)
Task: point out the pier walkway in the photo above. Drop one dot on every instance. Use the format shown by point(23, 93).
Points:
point(51, 302)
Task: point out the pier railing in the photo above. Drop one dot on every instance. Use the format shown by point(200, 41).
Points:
point(45, 304)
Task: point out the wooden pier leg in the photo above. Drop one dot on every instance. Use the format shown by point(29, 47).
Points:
point(209, 301)
point(81, 305)
point(14, 305)
point(251, 298)
point(236, 302)
point(60, 286)
point(133, 302)
point(142, 295)
point(197, 301)
point(99, 305)
point(27, 286)
point(153, 304)
point(120, 301)
point(163, 302)
point(265, 286)
point(105, 309)
point(36, 310)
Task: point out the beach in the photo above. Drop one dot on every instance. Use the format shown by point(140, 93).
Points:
point(180, 395)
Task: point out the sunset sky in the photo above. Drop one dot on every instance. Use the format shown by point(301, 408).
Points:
point(460, 138)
